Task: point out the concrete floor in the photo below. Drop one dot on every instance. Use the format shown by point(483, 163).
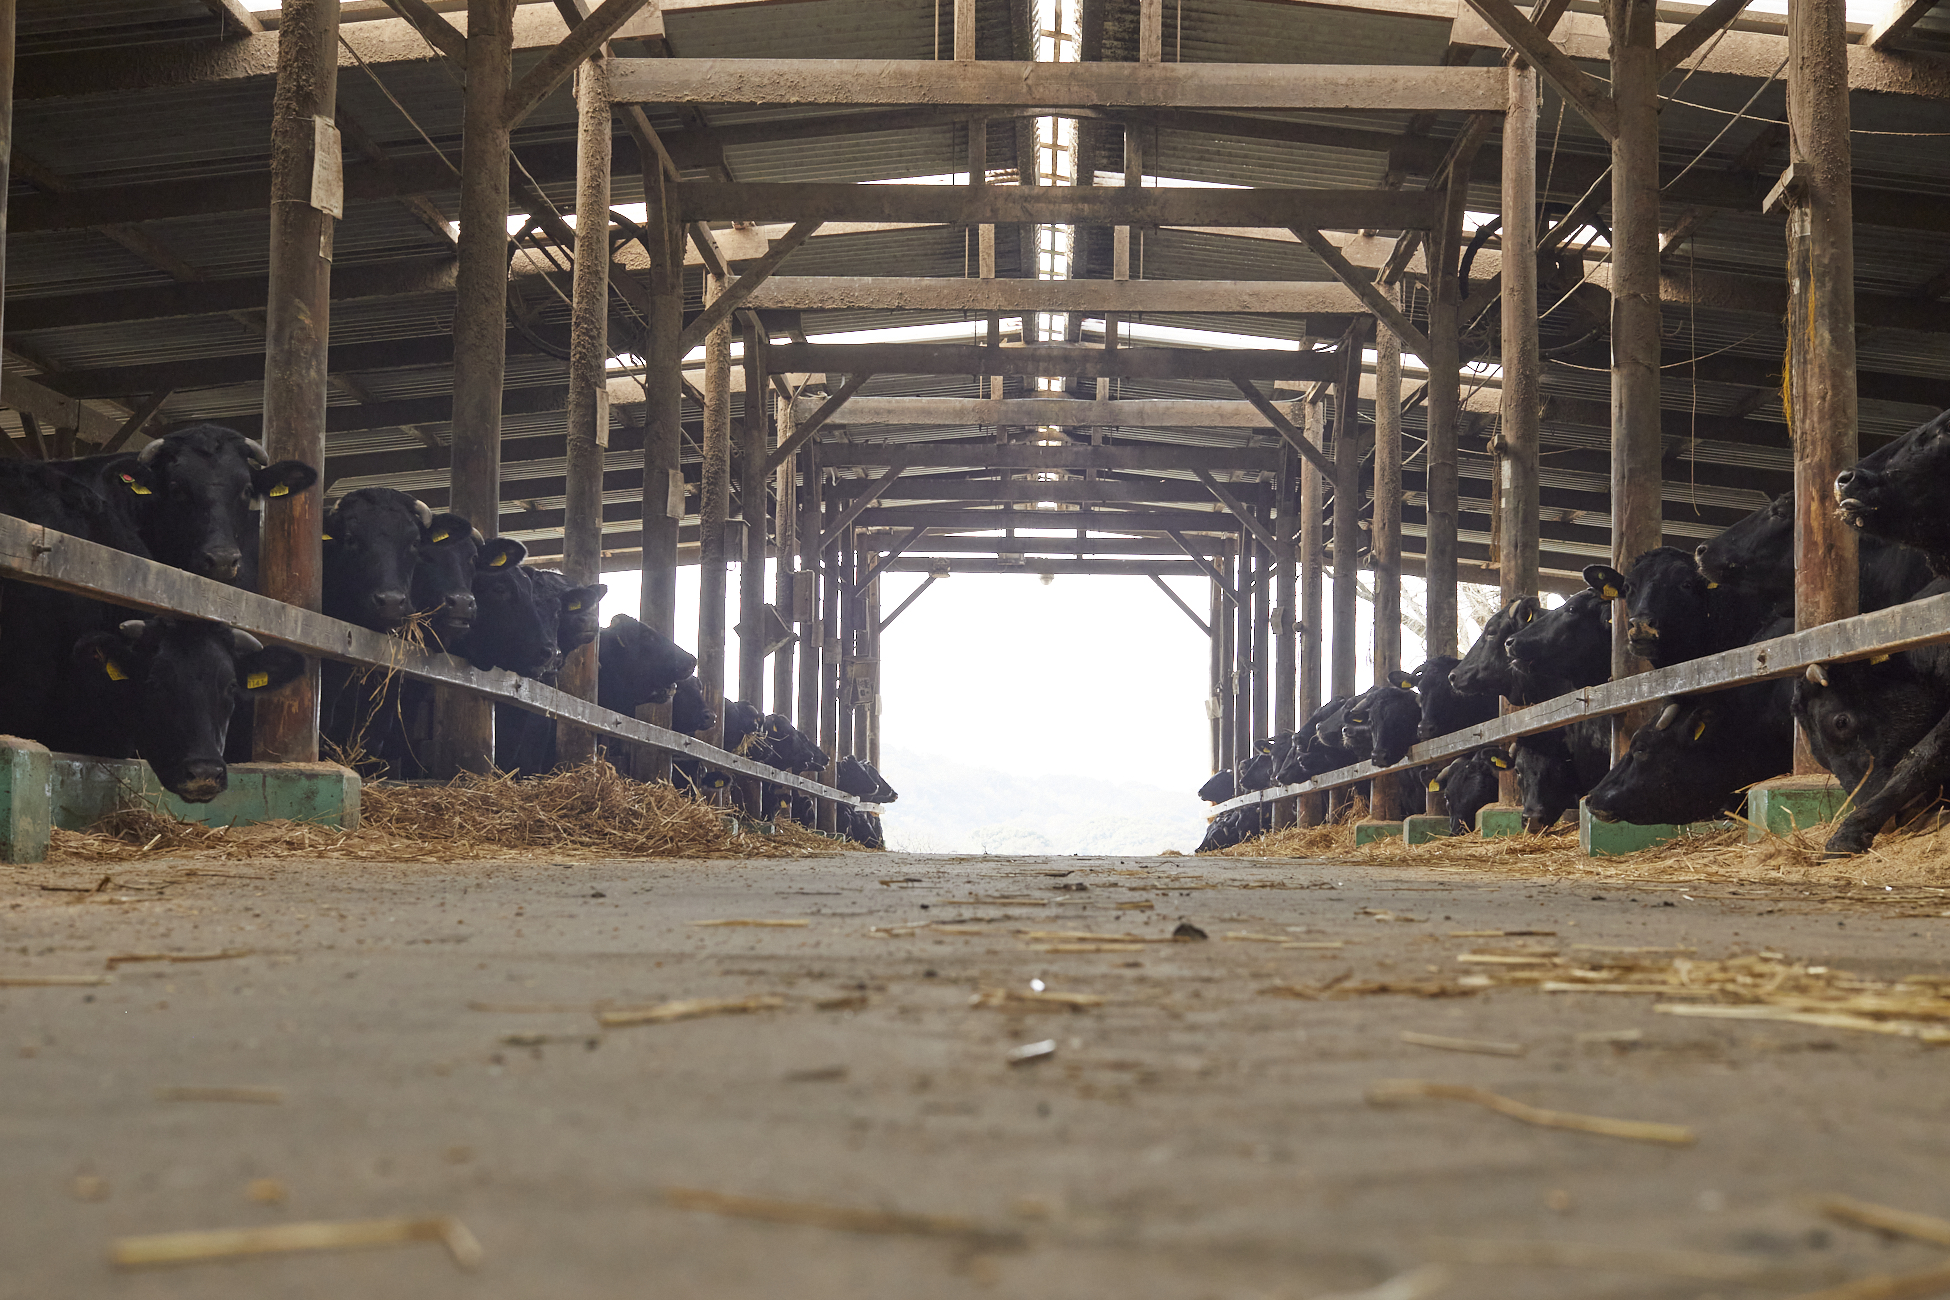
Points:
point(1190, 1138)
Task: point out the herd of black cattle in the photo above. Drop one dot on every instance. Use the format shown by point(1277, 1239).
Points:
point(1881, 725)
point(81, 677)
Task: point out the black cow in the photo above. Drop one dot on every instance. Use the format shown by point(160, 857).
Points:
point(1219, 787)
point(1469, 784)
point(638, 665)
point(577, 608)
point(1485, 668)
point(1446, 706)
point(515, 623)
point(1674, 613)
point(170, 685)
point(1235, 827)
point(862, 827)
point(1896, 493)
point(1561, 649)
point(1878, 726)
point(862, 780)
point(1758, 552)
point(1694, 762)
point(1556, 768)
point(190, 495)
point(388, 556)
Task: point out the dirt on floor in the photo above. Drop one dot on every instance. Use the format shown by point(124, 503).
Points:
point(878, 1074)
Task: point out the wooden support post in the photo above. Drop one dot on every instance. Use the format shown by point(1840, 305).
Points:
point(465, 724)
point(1347, 505)
point(1821, 319)
point(1522, 367)
point(752, 450)
point(588, 417)
point(859, 665)
point(785, 531)
point(297, 328)
point(805, 589)
point(1215, 672)
point(1262, 640)
point(1635, 337)
point(663, 404)
point(1444, 412)
point(714, 506)
point(829, 666)
point(870, 628)
point(7, 24)
point(1286, 668)
point(1243, 650)
point(1313, 564)
point(1385, 533)
point(1227, 630)
point(843, 553)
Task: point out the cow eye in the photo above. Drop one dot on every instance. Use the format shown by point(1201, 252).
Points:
point(1843, 722)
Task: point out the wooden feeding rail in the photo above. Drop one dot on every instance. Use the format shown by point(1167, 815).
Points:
point(1887, 631)
point(39, 555)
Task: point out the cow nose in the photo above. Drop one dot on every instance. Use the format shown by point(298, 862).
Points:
point(203, 780)
point(222, 562)
point(1699, 552)
point(1844, 481)
point(391, 606)
point(1642, 627)
point(461, 608)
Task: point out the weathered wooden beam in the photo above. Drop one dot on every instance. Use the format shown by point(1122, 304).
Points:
point(736, 294)
point(1050, 359)
point(1364, 289)
point(1579, 88)
point(883, 555)
point(1238, 509)
point(1699, 29)
point(581, 41)
point(433, 25)
point(1176, 599)
point(940, 544)
point(1067, 412)
point(1002, 84)
point(934, 488)
point(1896, 22)
point(1197, 556)
point(1282, 425)
point(1152, 458)
point(43, 557)
point(868, 493)
point(808, 428)
point(1138, 520)
point(821, 293)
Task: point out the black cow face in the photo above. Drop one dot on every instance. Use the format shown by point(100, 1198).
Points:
point(196, 489)
point(742, 728)
point(791, 749)
point(373, 544)
point(515, 623)
point(1395, 714)
point(1468, 785)
point(1561, 649)
point(1219, 787)
point(443, 577)
point(1674, 771)
point(1667, 604)
point(638, 666)
point(688, 712)
point(854, 778)
point(1547, 780)
point(1862, 718)
point(882, 793)
point(1256, 773)
point(1485, 670)
point(1897, 492)
point(580, 619)
point(174, 683)
point(1757, 551)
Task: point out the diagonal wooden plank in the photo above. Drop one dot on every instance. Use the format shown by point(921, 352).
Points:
point(1179, 601)
point(583, 40)
point(1364, 289)
point(1285, 427)
point(802, 435)
point(1698, 32)
point(1579, 89)
point(880, 563)
point(1895, 24)
point(913, 596)
point(859, 504)
point(727, 302)
point(1211, 571)
point(1239, 510)
point(433, 25)
point(142, 414)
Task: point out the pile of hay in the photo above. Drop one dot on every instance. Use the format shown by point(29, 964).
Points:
point(1915, 857)
point(587, 812)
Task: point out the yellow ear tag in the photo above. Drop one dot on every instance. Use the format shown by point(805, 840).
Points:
point(328, 537)
point(498, 560)
point(1498, 761)
point(441, 537)
point(136, 487)
point(279, 491)
point(257, 681)
point(1880, 659)
point(1434, 784)
point(1712, 586)
point(115, 673)
point(1609, 592)
point(1699, 731)
point(574, 606)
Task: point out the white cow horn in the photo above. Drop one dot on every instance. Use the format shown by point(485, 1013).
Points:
point(258, 455)
point(1817, 674)
point(1668, 717)
point(424, 511)
point(478, 539)
point(134, 628)
point(243, 642)
point(150, 452)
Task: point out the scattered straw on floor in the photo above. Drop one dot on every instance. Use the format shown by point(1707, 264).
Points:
point(587, 812)
point(1898, 858)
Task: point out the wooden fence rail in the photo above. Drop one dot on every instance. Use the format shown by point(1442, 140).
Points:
point(1887, 631)
point(35, 554)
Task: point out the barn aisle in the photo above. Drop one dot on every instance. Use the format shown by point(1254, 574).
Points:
point(426, 1041)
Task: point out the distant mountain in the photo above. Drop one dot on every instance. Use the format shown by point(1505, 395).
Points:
point(951, 807)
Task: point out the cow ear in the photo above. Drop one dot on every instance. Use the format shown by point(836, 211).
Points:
point(109, 654)
point(1401, 680)
point(449, 528)
point(266, 670)
point(501, 553)
point(1699, 727)
point(135, 477)
point(1499, 762)
point(1435, 784)
point(576, 597)
point(283, 478)
point(1605, 580)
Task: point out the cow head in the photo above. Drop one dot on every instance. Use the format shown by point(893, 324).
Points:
point(1395, 716)
point(1561, 649)
point(854, 778)
point(1547, 780)
point(688, 711)
point(1757, 551)
point(1668, 610)
point(579, 620)
point(743, 732)
point(196, 490)
point(1485, 670)
point(443, 576)
point(1862, 718)
point(174, 683)
point(1468, 784)
point(1219, 787)
point(1670, 773)
point(1897, 492)
point(639, 665)
point(514, 623)
point(374, 539)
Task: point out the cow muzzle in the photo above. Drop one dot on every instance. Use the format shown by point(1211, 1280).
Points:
point(221, 563)
point(202, 782)
point(1854, 490)
point(1642, 636)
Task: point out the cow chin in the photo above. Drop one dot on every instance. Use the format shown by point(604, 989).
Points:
point(1601, 814)
point(198, 789)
